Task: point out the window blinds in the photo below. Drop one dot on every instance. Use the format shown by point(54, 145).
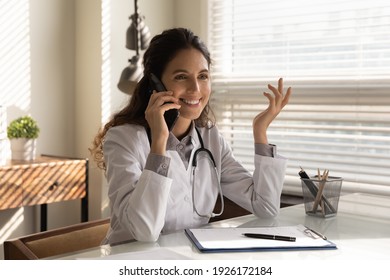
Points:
point(336, 56)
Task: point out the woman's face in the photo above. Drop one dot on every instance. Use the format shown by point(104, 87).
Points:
point(187, 75)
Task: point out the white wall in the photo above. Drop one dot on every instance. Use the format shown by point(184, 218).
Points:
point(65, 92)
point(47, 75)
point(192, 15)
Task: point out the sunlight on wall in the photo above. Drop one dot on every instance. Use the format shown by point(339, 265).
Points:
point(106, 76)
point(15, 76)
point(3, 134)
point(106, 61)
point(13, 223)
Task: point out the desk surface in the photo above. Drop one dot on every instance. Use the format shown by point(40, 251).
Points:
point(361, 230)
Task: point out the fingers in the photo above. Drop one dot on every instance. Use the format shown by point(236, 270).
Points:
point(278, 96)
point(277, 100)
point(159, 103)
point(278, 93)
point(160, 98)
point(270, 98)
point(287, 97)
point(274, 90)
point(280, 85)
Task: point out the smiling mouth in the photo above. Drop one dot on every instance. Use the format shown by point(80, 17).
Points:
point(190, 102)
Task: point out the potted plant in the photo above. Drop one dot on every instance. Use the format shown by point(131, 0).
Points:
point(23, 133)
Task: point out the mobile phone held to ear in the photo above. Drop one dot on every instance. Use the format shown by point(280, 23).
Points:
point(170, 116)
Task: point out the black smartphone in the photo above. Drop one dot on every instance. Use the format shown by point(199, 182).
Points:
point(170, 116)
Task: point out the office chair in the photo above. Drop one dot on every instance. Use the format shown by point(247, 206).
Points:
point(57, 241)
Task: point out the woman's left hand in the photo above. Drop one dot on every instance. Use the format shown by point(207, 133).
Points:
point(277, 101)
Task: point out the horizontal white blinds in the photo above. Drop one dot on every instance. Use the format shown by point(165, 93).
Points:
point(336, 56)
point(301, 38)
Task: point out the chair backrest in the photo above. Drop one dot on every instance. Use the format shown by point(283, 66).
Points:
point(57, 241)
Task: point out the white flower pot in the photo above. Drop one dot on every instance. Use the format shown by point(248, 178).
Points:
point(23, 149)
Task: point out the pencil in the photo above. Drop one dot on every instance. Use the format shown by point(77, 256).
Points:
point(318, 199)
point(314, 190)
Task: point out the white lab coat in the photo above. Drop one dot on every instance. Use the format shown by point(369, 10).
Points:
point(144, 204)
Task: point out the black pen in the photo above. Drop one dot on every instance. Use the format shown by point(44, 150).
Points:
point(268, 236)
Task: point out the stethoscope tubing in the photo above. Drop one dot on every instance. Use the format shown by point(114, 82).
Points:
point(194, 165)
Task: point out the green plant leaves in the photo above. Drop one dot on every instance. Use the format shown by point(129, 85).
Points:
point(23, 127)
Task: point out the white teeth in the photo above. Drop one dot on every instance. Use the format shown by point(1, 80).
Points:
point(191, 102)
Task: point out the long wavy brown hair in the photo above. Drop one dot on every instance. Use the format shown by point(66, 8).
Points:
point(161, 51)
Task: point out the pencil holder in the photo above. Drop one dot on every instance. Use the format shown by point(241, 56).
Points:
point(321, 197)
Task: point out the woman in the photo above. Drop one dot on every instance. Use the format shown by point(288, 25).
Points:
point(152, 187)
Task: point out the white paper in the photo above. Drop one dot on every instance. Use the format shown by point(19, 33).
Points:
point(233, 238)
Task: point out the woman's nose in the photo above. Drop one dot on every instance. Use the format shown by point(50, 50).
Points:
point(193, 86)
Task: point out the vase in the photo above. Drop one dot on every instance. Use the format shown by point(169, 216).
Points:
point(23, 149)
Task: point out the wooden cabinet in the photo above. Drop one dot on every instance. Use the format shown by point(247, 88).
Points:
point(45, 180)
point(10, 188)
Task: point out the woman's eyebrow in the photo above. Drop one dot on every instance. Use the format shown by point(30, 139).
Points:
point(180, 71)
point(185, 71)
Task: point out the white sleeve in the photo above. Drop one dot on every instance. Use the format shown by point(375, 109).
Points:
point(259, 193)
point(268, 179)
point(138, 197)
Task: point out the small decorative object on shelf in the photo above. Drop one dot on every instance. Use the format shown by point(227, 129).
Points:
point(23, 133)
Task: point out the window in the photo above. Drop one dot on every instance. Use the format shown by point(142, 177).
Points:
point(336, 56)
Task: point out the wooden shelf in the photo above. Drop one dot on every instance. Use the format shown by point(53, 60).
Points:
point(47, 179)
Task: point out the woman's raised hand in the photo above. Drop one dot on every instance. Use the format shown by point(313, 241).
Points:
point(277, 100)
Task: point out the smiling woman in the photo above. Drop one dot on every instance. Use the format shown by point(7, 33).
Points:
point(187, 76)
point(162, 180)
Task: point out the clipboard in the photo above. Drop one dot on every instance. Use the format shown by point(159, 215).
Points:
point(217, 240)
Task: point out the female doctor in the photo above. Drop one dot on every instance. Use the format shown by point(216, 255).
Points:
point(153, 186)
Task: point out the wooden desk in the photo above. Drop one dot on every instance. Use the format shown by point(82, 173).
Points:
point(361, 231)
point(42, 181)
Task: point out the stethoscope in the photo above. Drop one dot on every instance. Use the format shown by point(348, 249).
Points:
point(212, 163)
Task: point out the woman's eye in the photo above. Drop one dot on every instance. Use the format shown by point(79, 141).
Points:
point(203, 77)
point(180, 77)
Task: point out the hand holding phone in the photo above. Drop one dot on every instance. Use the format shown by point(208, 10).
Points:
point(171, 115)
